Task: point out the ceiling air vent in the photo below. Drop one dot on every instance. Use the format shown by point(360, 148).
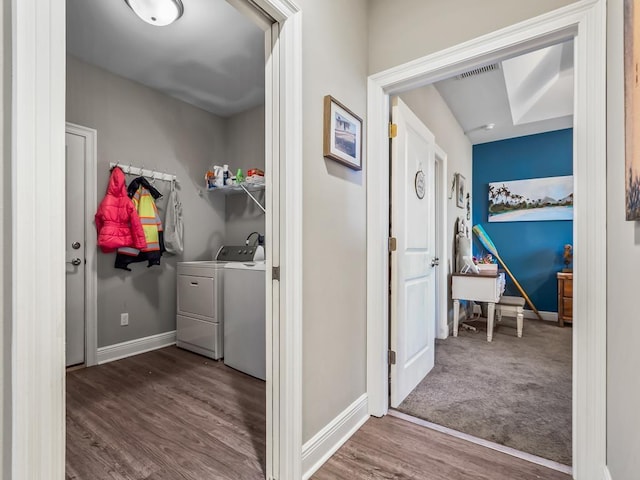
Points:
point(478, 71)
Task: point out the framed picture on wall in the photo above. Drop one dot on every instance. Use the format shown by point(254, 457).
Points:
point(342, 134)
point(534, 199)
point(632, 107)
point(461, 190)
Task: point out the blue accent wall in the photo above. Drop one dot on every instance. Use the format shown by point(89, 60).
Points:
point(531, 250)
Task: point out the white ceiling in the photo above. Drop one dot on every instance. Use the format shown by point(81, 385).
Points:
point(212, 57)
point(529, 94)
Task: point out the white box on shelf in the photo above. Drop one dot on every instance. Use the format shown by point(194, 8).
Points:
point(488, 268)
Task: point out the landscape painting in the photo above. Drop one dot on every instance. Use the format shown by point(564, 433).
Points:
point(532, 200)
point(632, 107)
point(345, 135)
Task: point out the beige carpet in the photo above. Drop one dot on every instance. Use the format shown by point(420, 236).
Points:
point(512, 391)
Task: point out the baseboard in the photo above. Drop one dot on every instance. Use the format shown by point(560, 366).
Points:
point(607, 474)
point(328, 440)
point(134, 347)
point(546, 316)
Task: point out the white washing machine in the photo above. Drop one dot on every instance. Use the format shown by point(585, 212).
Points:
point(245, 317)
point(200, 315)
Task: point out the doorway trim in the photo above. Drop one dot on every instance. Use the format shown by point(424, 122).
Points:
point(38, 292)
point(283, 110)
point(442, 252)
point(585, 21)
point(90, 136)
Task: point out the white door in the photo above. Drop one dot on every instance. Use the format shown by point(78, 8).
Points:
point(413, 278)
point(75, 248)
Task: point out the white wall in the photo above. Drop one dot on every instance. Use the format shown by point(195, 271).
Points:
point(623, 239)
point(430, 107)
point(142, 126)
point(334, 244)
point(5, 241)
point(403, 30)
point(245, 150)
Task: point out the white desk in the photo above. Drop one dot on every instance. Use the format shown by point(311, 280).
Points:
point(479, 288)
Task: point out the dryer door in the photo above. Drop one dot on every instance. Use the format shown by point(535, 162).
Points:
point(196, 296)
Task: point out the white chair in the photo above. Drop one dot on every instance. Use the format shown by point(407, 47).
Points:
point(511, 307)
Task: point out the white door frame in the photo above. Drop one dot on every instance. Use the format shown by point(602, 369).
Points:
point(442, 249)
point(38, 293)
point(585, 21)
point(283, 110)
point(90, 136)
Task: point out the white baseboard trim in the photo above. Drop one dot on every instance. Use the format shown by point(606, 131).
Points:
point(328, 440)
point(607, 474)
point(134, 347)
point(546, 316)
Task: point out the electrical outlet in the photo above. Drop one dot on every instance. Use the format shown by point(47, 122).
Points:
point(124, 319)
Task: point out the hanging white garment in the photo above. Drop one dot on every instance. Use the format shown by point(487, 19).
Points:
point(173, 226)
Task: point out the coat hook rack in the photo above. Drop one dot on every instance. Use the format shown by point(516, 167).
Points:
point(155, 175)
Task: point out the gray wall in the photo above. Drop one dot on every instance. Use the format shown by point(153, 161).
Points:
point(623, 239)
point(141, 126)
point(403, 30)
point(5, 242)
point(334, 209)
point(245, 149)
point(430, 107)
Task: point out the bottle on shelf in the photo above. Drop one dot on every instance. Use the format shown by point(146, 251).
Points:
point(210, 179)
point(226, 175)
point(219, 179)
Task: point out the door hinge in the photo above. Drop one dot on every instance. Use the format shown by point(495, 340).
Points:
point(275, 273)
point(393, 244)
point(393, 130)
point(392, 357)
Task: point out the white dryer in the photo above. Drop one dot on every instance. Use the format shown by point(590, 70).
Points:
point(199, 326)
point(245, 317)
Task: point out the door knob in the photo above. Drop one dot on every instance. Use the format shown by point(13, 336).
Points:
point(75, 245)
point(75, 262)
point(435, 262)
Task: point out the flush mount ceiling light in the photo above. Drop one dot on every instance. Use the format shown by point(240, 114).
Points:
point(487, 127)
point(157, 12)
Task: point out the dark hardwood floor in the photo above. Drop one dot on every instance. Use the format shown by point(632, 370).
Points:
point(174, 415)
point(391, 448)
point(165, 415)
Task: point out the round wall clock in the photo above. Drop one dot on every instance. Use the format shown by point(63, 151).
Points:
point(420, 184)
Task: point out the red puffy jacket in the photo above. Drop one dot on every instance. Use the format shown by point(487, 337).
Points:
point(117, 221)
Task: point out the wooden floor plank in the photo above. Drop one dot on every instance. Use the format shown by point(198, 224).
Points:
point(391, 448)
